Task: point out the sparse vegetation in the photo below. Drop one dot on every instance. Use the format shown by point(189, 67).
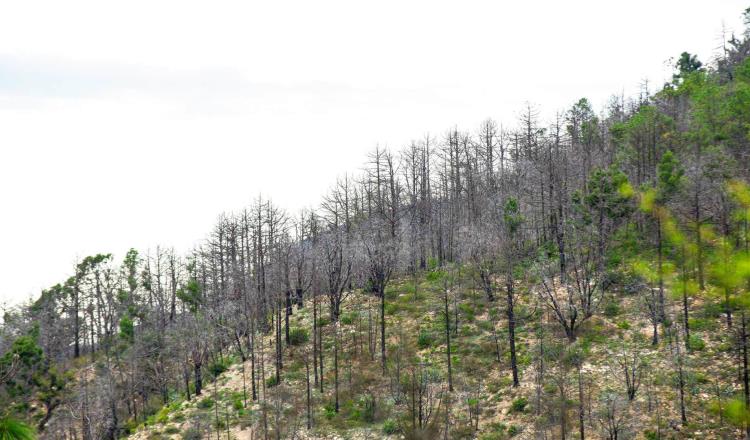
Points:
point(586, 278)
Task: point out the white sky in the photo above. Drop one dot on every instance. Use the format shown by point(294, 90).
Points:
point(135, 123)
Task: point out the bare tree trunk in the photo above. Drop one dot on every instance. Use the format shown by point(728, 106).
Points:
point(198, 379)
point(382, 327)
point(336, 365)
point(315, 338)
point(448, 338)
point(581, 413)
point(307, 383)
point(512, 331)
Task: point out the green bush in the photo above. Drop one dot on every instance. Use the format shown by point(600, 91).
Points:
point(272, 381)
point(206, 403)
point(624, 325)
point(612, 309)
point(524, 359)
point(219, 424)
point(435, 275)
point(696, 343)
point(391, 293)
point(160, 417)
point(425, 339)
point(467, 311)
point(700, 377)
point(497, 432)
point(702, 324)
point(712, 310)
point(514, 430)
point(329, 411)
point(172, 430)
point(219, 367)
point(432, 263)
point(192, 433)
point(348, 318)
point(15, 429)
point(390, 427)
point(486, 326)
point(130, 426)
point(163, 415)
point(298, 336)
point(366, 409)
point(519, 404)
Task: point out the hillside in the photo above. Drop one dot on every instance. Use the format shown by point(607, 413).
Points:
point(582, 277)
point(483, 404)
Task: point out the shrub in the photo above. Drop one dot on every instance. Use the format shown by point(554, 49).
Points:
point(624, 325)
point(702, 324)
point(291, 376)
point(497, 432)
point(272, 381)
point(519, 405)
point(514, 430)
point(390, 427)
point(15, 429)
point(219, 367)
point(424, 340)
point(435, 275)
point(724, 347)
point(163, 415)
point(130, 426)
point(612, 309)
point(467, 311)
point(366, 406)
point(298, 336)
point(172, 430)
point(487, 326)
point(432, 263)
point(329, 411)
point(700, 377)
point(348, 318)
point(192, 433)
point(712, 310)
point(206, 403)
point(391, 293)
point(524, 359)
point(696, 343)
point(391, 308)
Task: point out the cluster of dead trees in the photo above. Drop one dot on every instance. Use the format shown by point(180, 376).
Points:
point(540, 202)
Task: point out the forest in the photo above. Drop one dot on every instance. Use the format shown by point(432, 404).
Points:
point(586, 276)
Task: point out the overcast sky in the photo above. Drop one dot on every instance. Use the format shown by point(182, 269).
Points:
point(132, 124)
